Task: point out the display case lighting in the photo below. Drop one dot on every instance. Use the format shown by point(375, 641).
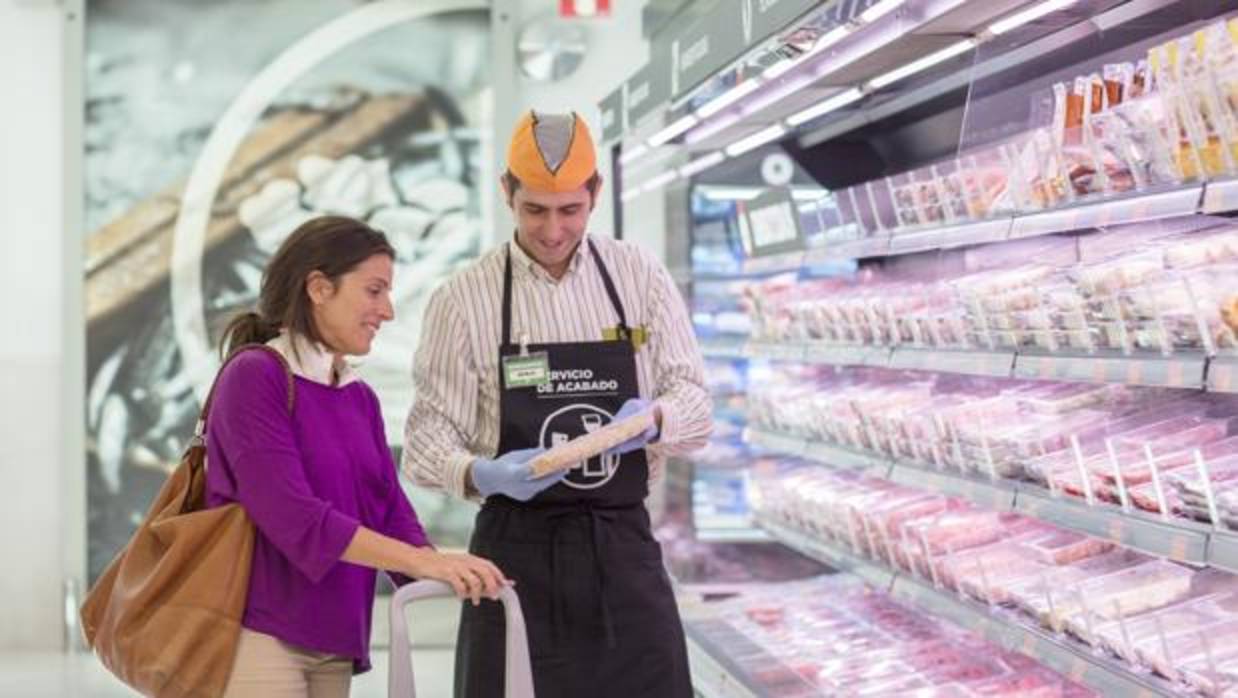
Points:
point(785, 89)
point(676, 128)
point(809, 194)
point(629, 155)
point(728, 98)
point(631, 194)
point(713, 126)
point(724, 193)
point(781, 68)
point(1031, 14)
point(921, 64)
point(701, 164)
point(830, 38)
point(881, 9)
point(825, 41)
point(730, 193)
point(755, 140)
point(661, 180)
point(826, 106)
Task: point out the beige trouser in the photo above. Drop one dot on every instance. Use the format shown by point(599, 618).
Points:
point(270, 668)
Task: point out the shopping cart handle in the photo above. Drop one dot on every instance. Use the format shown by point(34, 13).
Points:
point(519, 672)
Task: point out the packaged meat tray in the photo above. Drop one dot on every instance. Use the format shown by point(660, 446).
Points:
point(1058, 547)
point(1035, 594)
point(1127, 592)
point(1184, 656)
point(1143, 630)
point(833, 635)
point(987, 577)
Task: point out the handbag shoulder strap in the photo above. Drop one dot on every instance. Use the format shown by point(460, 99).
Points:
point(199, 432)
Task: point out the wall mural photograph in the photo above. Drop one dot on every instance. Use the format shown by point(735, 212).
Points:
point(206, 146)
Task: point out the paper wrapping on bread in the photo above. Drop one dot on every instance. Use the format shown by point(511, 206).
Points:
point(566, 456)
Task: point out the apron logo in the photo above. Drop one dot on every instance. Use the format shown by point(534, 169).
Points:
point(573, 421)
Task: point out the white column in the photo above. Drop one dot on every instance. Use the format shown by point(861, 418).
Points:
point(42, 355)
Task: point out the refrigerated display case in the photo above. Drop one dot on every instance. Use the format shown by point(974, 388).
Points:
point(1009, 405)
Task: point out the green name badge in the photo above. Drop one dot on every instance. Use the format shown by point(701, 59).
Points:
point(526, 371)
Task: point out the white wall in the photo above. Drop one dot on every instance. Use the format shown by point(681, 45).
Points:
point(42, 475)
point(616, 50)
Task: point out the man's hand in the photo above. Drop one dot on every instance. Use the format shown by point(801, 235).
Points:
point(509, 475)
point(632, 408)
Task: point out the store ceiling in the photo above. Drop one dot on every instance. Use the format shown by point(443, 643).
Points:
point(926, 27)
point(657, 13)
point(937, 95)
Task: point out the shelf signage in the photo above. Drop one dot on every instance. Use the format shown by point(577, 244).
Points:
point(644, 92)
point(612, 116)
point(770, 224)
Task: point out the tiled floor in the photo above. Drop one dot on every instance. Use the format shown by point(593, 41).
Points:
point(432, 625)
point(81, 676)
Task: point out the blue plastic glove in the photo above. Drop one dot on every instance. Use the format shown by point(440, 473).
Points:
point(509, 475)
point(631, 408)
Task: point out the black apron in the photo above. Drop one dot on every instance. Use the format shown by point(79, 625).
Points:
point(601, 615)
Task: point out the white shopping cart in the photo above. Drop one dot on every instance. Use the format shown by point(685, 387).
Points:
point(518, 670)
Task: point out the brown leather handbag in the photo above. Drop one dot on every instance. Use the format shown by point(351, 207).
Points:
point(165, 616)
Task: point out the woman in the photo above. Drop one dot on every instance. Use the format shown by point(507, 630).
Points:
point(319, 483)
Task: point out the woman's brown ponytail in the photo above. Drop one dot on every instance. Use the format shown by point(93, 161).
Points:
point(247, 328)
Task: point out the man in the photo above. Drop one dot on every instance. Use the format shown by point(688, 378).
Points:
point(599, 332)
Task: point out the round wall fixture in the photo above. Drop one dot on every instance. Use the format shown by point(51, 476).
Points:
point(550, 49)
point(777, 169)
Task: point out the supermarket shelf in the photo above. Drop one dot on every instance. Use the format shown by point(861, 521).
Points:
point(1181, 371)
point(829, 454)
point(710, 526)
point(1071, 659)
point(723, 348)
point(717, 655)
point(874, 246)
point(1220, 196)
point(687, 275)
point(839, 457)
point(713, 675)
point(732, 535)
point(1068, 658)
point(1223, 374)
point(1223, 551)
point(839, 355)
point(1213, 197)
point(787, 261)
point(1185, 370)
point(951, 235)
point(782, 443)
point(1176, 539)
point(878, 576)
point(979, 363)
point(778, 351)
point(1135, 208)
point(998, 495)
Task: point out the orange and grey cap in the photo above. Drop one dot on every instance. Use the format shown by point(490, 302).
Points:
point(551, 152)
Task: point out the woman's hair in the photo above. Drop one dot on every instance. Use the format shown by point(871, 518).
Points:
point(333, 245)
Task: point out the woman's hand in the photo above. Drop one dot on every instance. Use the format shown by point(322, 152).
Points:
point(470, 576)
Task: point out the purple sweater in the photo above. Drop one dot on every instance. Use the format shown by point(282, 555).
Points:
point(307, 481)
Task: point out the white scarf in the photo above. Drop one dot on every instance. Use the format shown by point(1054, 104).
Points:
point(311, 360)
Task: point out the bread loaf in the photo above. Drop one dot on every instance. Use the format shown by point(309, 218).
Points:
point(566, 456)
